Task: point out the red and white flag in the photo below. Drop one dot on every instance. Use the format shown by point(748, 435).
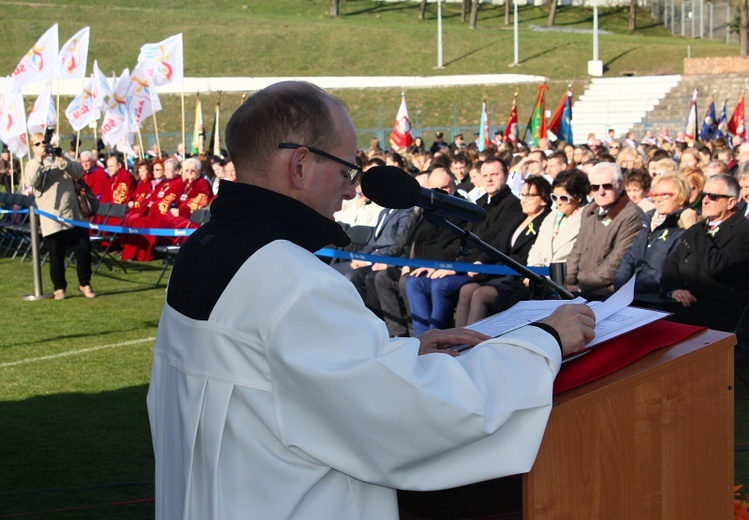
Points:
point(40, 62)
point(74, 56)
point(13, 120)
point(401, 136)
point(164, 61)
point(737, 123)
point(690, 130)
point(511, 130)
point(43, 113)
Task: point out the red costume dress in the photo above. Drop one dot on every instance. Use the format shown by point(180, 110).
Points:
point(97, 179)
point(119, 188)
point(142, 191)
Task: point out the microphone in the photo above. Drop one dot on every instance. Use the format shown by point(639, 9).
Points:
point(391, 187)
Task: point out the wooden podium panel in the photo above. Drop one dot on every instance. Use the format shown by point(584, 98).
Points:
point(651, 441)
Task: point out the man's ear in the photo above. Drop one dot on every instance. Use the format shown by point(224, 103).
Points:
point(298, 167)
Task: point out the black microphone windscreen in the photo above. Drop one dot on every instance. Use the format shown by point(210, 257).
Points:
point(390, 187)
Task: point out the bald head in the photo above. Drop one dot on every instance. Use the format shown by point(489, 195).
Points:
point(291, 112)
point(441, 179)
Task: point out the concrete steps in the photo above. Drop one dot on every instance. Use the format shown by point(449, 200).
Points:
point(618, 103)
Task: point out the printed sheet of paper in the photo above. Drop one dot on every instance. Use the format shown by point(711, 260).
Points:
point(614, 317)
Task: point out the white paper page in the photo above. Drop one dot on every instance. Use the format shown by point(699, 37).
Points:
point(628, 318)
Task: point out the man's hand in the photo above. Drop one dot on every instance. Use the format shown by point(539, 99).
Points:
point(441, 273)
point(575, 325)
point(441, 341)
point(379, 266)
point(358, 264)
point(421, 271)
point(684, 297)
point(688, 218)
point(174, 212)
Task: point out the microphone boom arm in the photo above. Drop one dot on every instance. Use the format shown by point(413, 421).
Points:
point(538, 283)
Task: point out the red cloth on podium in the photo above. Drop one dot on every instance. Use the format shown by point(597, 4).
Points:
point(616, 353)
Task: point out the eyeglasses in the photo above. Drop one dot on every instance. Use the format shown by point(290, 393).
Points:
point(663, 195)
point(606, 187)
point(353, 173)
point(563, 198)
point(39, 144)
point(614, 147)
point(529, 195)
point(715, 196)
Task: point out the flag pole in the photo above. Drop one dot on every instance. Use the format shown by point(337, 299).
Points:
point(140, 142)
point(184, 144)
point(12, 173)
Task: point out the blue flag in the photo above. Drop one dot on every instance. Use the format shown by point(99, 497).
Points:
point(565, 126)
point(722, 129)
point(709, 124)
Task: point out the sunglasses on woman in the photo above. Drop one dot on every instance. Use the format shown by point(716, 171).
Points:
point(564, 198)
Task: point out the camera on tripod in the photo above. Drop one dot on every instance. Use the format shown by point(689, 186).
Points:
point(49, 148)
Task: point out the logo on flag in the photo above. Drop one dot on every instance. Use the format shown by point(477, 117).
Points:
point(401, 136)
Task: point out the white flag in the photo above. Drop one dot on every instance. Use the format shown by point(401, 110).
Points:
point(81, 110)
point(101, 90)
point(164, 60)
point(142, 100)
point(114, 127)
point(13, 120)
point(43, 113)
point(40, 62)
point(74, 55)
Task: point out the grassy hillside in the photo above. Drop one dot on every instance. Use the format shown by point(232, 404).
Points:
point(297, 37)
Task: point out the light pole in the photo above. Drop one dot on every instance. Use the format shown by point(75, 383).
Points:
point(595, 66)
point(439, 35)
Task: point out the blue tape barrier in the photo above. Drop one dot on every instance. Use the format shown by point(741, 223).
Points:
point(460, 267)
point(159, 232)
point(13, 211)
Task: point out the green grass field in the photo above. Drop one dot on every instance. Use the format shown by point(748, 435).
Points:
point(296, 37)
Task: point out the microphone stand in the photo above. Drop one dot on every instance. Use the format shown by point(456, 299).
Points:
point(539, 284)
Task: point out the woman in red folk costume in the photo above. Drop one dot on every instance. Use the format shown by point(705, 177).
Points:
point(145, 183)
point(197, 195)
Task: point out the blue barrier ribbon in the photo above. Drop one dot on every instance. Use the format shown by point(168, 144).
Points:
point(14, 211)
point(460, 267)
point(159, 232)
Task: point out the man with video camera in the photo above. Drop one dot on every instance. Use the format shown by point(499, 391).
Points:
point(51, 177)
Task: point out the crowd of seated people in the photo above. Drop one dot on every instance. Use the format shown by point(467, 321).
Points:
point(671, 212)
point(617, 208)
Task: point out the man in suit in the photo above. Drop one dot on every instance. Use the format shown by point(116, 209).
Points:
point(432, 294)
point(707, 275)
point(390, 224)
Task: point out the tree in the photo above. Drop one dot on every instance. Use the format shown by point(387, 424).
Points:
point(474, 14)
point(464, 9)
point(334, 7)
point(632, 15)
point(552, 13)
point(508, 9)
point(423, 9)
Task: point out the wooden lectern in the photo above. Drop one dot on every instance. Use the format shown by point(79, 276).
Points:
point(652, 441)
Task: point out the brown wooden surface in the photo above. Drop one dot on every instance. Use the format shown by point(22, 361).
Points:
point(652, 441)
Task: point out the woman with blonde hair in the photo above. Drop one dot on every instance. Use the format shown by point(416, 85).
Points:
point(629, 159)
point(696, 180)
point(670, 218)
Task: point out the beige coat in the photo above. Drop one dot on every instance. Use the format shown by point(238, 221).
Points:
point(54, 191)
point(548, 249)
